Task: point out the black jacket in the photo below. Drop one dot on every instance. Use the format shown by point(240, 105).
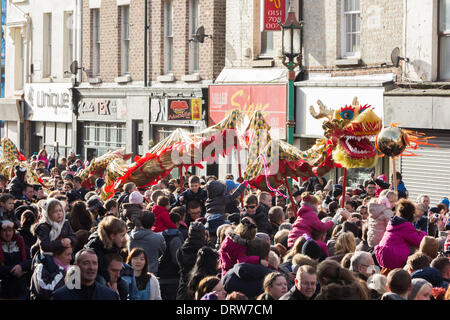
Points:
point(261, 219)
point(96, 292)
point(217, 200)
point(294, 294)
point(186, 256)
point(42, 232)
point(246, 278)
point(97, 245)
point(188, 196)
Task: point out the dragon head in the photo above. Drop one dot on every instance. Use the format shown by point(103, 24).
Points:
point(349, 131)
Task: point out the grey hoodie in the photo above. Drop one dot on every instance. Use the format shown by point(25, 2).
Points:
point(153, 244)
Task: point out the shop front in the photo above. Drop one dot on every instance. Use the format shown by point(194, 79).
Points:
point(102, 126)
point(170, 111)
point(49, 115)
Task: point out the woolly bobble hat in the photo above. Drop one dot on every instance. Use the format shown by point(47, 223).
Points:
point(446, 202)
point(196, 230)
point(136, 197)
point(312, 249)
point(416, 285)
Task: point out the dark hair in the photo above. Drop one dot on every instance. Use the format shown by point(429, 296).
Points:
point(77, 179)
point(236, 295)
point(399, 175)
point(333, 206)
point(82, 239)
point(136, 252)
point(330, 271)
point(80, 217)
point(163, 201)
point(180, 210)
point(109, 204)
point(6, 196)
point(205, 286)
point(205, 265)
point(175, 217)
point(276, 214)
point(440, 263)
point(194, 179)
point(406, 210)
point(251, 199)
point(110, 257)
point(27, 219)
point(258, 247)
point(3, 178)
point(193, 204)
point(399, 281)
point(147, 219)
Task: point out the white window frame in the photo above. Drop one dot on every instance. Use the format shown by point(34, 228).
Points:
point(47, 45)
point(262, 34)
point(194, 46)
point(344, 32)
point(124, 40)
point(168, 37)
point(95, 12)
point(443, 34)
point(68, 41)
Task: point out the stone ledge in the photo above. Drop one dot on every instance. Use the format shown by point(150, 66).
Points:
point(191, 78)
point(263, 63)
point(348, 62)
point(95, 80)
point(123, 79)
point(166, 78)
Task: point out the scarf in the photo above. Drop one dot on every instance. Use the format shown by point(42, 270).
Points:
point(20, 243)
point(59, 263)
point(56, 227)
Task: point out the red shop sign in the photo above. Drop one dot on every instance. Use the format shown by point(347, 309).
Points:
point(271, 100)
point(274, 12)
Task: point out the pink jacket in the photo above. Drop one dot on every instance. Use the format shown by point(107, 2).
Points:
point(232, 248)
point(307, 220)
point(394, 248)
point(378, 220)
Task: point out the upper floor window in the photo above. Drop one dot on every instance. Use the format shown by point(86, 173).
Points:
point(95, 16)
point(68, 39)
point(125, 39)
point(194, 22)
point(168, 36)
point(47, 65)
point(351, 28)
point(444, 40)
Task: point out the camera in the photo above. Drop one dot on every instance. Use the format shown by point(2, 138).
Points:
point(437, 215)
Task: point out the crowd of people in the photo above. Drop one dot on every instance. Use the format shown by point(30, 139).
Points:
point(207, 239)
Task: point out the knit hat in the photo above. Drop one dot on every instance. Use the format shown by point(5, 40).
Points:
point(432, 275)
point(136, 197)
point(196, 230)
point(312, 249)
point(446, 202)
point(6, 224)
point(416, 285)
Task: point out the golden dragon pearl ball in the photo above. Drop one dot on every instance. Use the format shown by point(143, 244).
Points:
point(392, 141)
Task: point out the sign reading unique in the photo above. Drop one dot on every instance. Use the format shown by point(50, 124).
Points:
point(274, 12)
point(184, 109)
point(48, 102)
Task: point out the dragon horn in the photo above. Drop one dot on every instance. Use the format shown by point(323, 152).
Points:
point(323, 112)
point(355, 102)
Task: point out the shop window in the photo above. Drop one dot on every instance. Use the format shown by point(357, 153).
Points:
point(444, 40)
point(266, 36)
point(104, 137)
point(351, 28)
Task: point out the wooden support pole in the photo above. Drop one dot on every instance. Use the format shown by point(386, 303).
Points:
point(344, 185)
point(240, 175)
point(181, 178)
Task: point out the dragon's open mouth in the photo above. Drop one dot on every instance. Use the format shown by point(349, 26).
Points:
point(358, 146)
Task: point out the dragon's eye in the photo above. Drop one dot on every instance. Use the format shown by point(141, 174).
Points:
point(346, 114)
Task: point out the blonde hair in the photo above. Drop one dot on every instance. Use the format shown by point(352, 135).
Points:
point(345, 243)
point(273, 259)
point(108, 226)
point(301, 259)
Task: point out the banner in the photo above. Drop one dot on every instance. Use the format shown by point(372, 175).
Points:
point(274, 12)
point(184, 109)
point(271, 100)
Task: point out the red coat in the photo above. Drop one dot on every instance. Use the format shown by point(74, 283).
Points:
point(162, 219)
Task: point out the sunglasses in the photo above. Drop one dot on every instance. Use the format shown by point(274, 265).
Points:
point(250, 207)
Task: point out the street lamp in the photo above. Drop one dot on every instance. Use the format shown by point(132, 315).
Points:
point(291, 49)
